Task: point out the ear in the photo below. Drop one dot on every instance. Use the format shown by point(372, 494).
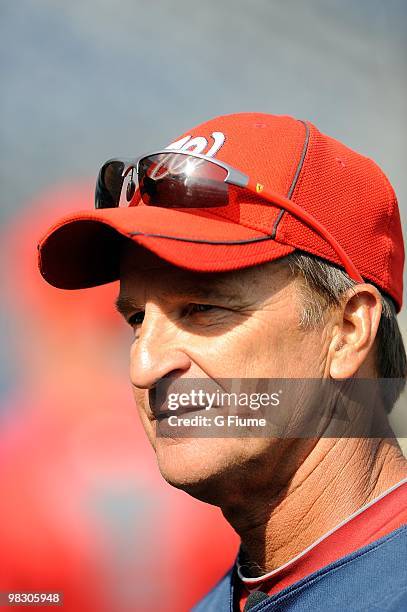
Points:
point(355, 331)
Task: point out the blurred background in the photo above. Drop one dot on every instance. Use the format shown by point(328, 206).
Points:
point(83, 508)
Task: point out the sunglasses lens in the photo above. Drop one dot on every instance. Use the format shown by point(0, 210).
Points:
point(175, 180)
point(109, 184)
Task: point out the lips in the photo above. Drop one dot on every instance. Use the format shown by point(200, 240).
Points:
point(164, 414)
point(178, 386)
point(158, 398)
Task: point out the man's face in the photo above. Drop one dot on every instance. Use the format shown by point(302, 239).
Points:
point(240, 324)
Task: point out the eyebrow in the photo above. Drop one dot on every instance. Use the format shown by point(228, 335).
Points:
point(125, 304)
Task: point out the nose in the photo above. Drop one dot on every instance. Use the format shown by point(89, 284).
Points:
point(158, 351)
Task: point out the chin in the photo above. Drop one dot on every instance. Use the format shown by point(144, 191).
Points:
point(198, 466)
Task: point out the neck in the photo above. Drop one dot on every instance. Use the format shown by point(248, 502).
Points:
point(336, 479)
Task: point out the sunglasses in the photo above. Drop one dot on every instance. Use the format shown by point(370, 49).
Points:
point(184, 179)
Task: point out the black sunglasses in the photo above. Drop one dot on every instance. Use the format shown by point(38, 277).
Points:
point(183, 173)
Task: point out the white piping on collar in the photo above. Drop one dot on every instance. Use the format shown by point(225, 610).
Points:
point(258, 579)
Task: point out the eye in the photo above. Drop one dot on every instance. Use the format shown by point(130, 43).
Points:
point(200, 307)
point(136, 319)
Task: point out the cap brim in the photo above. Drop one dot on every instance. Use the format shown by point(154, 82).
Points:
point(82, 250)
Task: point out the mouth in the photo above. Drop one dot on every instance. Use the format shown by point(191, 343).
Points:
point(164, 414)
point(200, 394)
point(158, 400)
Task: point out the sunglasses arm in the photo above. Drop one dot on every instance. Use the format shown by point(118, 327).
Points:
point(309, 220)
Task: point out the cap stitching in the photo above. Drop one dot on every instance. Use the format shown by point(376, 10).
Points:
point(317, 252)
point(204, 241)
point(218, 217)
point(301, 161)
point(244, 257)
point(71, 219)
point(295, 178)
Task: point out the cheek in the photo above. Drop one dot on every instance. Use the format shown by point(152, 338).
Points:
point(141, 398)
point(298, 354)
point(270, 348)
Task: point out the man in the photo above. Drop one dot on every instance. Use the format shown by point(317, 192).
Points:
point(255, 248)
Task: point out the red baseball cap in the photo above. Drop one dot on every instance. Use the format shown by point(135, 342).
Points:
point(346, 192)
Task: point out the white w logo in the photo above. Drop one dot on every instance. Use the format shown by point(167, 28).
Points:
point(171, 164)
point(199, 144)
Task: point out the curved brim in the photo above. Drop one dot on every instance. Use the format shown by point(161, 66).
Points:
point(83, 249)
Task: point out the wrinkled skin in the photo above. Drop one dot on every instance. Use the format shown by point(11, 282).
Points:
point(245, 324)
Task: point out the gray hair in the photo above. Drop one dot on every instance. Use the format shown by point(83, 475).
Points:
point(323, 286)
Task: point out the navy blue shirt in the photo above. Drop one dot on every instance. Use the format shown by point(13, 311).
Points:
point(371, 578)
